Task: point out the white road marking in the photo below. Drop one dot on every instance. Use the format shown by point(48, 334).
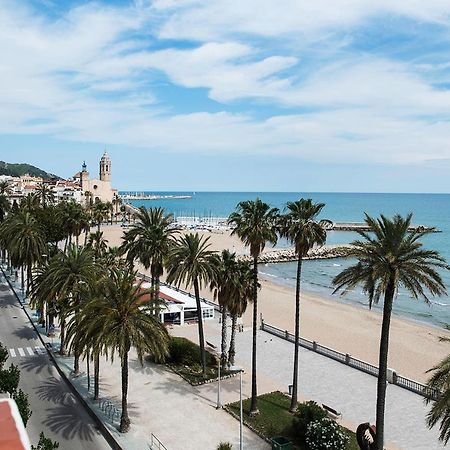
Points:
point(21, 352)
point(30, 351)
point(12, 352)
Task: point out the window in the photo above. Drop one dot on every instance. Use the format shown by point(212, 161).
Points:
point(207, 313)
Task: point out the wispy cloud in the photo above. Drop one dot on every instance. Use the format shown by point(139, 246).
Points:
point(281, 80)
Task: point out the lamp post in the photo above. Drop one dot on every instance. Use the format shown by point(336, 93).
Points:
point(241, 415)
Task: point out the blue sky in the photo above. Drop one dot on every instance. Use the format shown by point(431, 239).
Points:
point(231, 95)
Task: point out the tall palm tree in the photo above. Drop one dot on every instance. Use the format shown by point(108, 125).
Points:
point(44, 194)
point(114, 322)
point(99, 213)
point(5, 187)
point(4, 206)
point(190, 263)
point(440, 409)
point(98, 244)
point(389, 256)
point(302, 229)
point(224, 285)
point(71, 275)
point(255, 224)
point(149, 241)
point(238, 302)
point(26, 243)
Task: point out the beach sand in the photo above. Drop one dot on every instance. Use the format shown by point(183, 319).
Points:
point(414, 347)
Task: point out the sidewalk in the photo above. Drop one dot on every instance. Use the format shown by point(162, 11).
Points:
point(347, 390)
point(160, 402)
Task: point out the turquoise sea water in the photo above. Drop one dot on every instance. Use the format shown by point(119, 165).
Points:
point(428, 209)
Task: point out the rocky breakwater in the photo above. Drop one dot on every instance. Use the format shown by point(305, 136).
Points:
point(288, 254)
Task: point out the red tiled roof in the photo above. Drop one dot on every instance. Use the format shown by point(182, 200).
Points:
point(11, 428)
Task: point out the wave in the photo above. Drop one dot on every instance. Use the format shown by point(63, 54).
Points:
point(434, 302)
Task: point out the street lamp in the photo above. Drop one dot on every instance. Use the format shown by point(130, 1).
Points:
point(240, 370)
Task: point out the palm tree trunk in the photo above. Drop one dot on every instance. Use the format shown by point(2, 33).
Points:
point(62, 337)
point(22, 273)
point(124, 420)
point(96, 375)
point(294, 399)
point(232, 350)
point(29, 279)
point(201, 336)
point(223, 356)
point(383, 363)
point(98, 226)
point(254, 402)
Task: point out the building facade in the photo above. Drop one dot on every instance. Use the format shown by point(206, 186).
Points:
point(97, 189)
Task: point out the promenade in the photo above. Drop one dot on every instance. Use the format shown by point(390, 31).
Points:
point(347, 390)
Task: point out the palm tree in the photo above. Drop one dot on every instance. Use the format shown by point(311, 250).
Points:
point(26, 243)
point(224, 285)
point(439, 382)
point(114, 322)
point(98, 244)
point(5, 187)
point(191, 263)
point(71, 277)
point(255, 224)
point(99, 213)
point(44, 193)
point(389, 256)
point(301, 228)
point(149, 241)
point(4, 206)
point(238, 302)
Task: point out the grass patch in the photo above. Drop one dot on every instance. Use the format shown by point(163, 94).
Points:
point(275, 419)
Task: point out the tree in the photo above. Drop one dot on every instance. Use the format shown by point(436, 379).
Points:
point(23, 405)
point(255, 224)
point(44, 194)
point(149, 241)
point(98, 244)
point(238, 302)
point(301, 228)
point(26, 243)
point(5, 187)
point(389, 256)
point(69, 277)
point(190, 263)
point(3, 355)
point(4, 207)
point(45, 443)
point(100, 212)
point(115, 322)
point(224, 285)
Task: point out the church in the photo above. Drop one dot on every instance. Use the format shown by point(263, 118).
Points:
point(99, 189)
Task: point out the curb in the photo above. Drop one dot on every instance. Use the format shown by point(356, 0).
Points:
point(98, 422)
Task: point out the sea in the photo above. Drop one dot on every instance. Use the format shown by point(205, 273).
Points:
point(428, 209)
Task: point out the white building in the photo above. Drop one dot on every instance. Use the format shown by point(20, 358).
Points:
point(180, 307)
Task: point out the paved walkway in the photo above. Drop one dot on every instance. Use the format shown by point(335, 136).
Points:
point(326, 381)
point(183, 417)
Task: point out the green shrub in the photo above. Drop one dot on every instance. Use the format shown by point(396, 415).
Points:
point(224, 446)
point(23, 405)
point(325, 434)
point(306, 413)
point(183, 351)
point(9, 379)
point(3, 355)
point(45, 443)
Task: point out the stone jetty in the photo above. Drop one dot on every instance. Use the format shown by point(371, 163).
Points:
point(361, 226)
point(288, 254)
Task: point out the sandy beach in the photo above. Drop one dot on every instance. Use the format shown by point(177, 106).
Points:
point(414, 347)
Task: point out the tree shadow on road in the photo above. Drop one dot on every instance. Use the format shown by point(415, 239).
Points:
point(53, 390)
point(35, 364)
point(65, 420)
point(26, 332)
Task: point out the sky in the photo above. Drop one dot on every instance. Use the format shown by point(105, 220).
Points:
point(231, 95)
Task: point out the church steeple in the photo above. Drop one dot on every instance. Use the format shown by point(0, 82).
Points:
point(105, 168)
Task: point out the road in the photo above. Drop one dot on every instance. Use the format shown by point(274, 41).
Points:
point(56, 410)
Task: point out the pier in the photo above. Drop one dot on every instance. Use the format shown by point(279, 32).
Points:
point(362, 226)
point(288, 254)
point(144, 196)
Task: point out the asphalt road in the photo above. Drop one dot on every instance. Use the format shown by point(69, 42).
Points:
point(56, 410)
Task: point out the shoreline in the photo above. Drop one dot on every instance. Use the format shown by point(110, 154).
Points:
point(348, 328)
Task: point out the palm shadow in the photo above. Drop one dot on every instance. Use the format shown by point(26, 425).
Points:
point(64, 420)
point(26, 333)
point(35, 364)
point(53, 390)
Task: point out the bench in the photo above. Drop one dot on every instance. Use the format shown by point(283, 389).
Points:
point(331, 411)
point(211, 345)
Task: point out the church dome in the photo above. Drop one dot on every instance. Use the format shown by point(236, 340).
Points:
point(105, 157)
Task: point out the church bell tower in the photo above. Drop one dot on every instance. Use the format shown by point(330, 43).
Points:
point(105, 168)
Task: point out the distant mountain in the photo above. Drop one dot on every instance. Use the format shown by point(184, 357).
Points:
point(17, 170)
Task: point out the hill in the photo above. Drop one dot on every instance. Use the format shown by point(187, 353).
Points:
point(17, 170)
